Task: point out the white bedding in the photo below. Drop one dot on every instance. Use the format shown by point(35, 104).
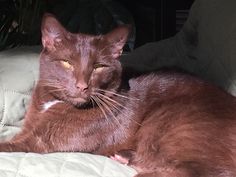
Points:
point(60, 165)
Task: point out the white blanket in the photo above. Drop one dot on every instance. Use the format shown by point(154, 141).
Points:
point(60, 165)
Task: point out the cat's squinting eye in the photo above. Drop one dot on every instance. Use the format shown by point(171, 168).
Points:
point(67, 65)
point(99, 66)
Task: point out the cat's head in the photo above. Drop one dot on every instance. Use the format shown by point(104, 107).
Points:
point(76, 66)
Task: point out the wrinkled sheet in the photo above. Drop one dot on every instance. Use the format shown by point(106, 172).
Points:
point(60, 165)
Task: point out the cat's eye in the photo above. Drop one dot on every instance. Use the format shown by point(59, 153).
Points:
point(66, 64)
point(99, 66)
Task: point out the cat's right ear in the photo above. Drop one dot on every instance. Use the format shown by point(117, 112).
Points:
point(117, 39)
point(52, 31)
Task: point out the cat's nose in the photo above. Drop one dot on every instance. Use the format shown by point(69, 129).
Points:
point(82, 86)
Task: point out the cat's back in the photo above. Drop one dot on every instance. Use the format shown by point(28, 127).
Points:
point(184, 94)
point(170, 84)
point(193, 120)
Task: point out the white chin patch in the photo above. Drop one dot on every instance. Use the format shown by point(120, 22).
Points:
point(49, 104)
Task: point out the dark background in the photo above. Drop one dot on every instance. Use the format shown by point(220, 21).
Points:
point(157, 19)
point(153, 19)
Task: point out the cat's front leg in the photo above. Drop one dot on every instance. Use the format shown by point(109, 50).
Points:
point(13, 147)
point(24, 144)
point(20, 147)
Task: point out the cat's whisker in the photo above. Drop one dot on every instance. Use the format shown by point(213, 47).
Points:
point(108, 99)
point(118, 109)
point(56, 90)
point(52, 84)
point(100, 106)
point(93, 104)
point(108, 109)
point(51, 91)
point(111, 104)
point(46, 93)
point(116, 94)
point(111, 100)
point(49, 81)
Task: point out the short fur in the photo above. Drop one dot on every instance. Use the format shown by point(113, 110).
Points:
point(166, 124)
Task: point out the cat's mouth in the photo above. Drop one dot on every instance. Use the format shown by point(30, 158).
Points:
point(80, 102)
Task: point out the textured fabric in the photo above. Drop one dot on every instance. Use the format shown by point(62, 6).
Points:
point(60, 165)
point(18, 75)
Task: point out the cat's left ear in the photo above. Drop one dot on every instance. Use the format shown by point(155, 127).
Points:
point(52, 31)
point(117, 39)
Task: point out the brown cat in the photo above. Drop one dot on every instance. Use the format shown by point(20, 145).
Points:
point(166, 124)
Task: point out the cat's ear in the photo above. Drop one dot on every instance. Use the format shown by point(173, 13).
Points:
point(117, 39)
point(52, 31)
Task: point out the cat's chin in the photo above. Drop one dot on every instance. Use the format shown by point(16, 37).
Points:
point(80, 102)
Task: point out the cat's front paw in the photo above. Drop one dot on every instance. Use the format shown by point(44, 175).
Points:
point(120, 159)
point(123, 156)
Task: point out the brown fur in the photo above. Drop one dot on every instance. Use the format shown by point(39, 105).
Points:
point(167, 124)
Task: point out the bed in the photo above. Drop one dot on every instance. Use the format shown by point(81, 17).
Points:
point(205, 47)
